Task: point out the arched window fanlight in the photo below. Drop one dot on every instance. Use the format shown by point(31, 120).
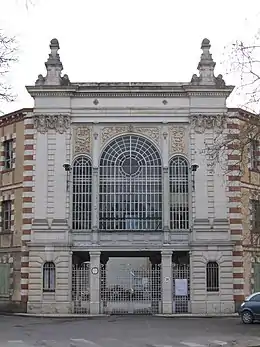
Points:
point(130, 190)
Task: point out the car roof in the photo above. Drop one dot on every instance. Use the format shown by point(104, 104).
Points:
point(252, 295)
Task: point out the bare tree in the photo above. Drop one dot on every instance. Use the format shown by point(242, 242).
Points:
point(8, 56)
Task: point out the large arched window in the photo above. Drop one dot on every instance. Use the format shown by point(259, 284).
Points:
point(130, 185)
point(179, 193)
point(81, 193)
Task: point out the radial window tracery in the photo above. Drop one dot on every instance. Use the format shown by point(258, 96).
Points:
point(130, 192)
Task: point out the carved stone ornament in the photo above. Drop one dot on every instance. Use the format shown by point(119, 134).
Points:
point(108, 132)
point(60, 123)
point(82, 142)
point(200, 123)
point(151, 132)
point(177, 139)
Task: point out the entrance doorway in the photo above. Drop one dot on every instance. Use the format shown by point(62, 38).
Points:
point(131, 285)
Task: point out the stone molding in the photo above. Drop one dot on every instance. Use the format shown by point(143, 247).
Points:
point(110, 131)
point(82, 139)
point(202, 122)
point(58, 122)
point(71, 92)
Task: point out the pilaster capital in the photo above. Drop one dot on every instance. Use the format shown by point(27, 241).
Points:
point(166, 253)
point(94, 253)
point(58, 122)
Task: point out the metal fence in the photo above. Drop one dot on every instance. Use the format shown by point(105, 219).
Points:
point(81, 288)
point(181, 288)
point(127, 290)
point(4, 280)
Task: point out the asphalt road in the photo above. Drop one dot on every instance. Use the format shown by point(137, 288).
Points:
point(126, 331)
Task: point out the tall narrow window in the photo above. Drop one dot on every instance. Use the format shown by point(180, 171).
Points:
point(255, 215)
point(81, 194)
point(212, 276)
point(254, 155)
point(49, 277)
point(179, 193)
point(130, 190)
point(6, 215)
point(8, 154)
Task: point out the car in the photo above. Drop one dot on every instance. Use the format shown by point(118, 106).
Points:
point(249, 310)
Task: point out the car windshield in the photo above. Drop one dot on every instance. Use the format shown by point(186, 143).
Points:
point(250, 296)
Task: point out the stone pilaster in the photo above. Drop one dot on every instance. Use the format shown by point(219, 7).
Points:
point(167, 282)
point(166, 196)
point(95, 182)
point(94, 282)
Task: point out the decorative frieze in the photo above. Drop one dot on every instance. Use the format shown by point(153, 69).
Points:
point(177, 139)
point(201, 122)
point(82, 139)
point(152, 132)
point(58, 122)
point(110, 131)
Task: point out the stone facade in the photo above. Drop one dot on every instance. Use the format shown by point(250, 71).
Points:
point(179, 119)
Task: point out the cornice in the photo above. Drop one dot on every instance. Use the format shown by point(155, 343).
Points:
point(130, 94)
point(14, 117)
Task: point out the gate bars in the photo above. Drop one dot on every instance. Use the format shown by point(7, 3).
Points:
point(129, 290)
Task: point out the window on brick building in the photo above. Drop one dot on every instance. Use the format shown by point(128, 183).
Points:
point(255, 214)
point(6, 215)
point(49, 277)
point(8, 154)
point(212, 276)
point(254, 155)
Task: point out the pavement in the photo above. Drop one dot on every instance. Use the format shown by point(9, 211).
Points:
point(127, 331)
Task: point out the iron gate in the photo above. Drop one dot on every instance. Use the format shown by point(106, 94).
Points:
point(81, 288)
point(181, 298)
point(132, 291)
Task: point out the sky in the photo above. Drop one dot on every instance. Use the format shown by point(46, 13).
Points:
point(122, 40)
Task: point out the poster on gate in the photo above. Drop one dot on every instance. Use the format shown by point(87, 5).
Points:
point(181, 287)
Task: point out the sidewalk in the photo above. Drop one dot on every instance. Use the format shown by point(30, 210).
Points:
point(178, 315)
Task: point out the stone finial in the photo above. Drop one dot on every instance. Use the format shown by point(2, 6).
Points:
point(54, 68)
point(206, 68)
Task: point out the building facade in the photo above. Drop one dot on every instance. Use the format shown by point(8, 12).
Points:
point(13, 188)
point(249, 165)
point(130, 213)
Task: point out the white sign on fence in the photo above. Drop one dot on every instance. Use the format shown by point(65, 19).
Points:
point(181, 287)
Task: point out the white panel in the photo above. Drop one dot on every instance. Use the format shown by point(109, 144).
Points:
point(149, 103)
point(201, 193)
point(41, 181)
point(220, 193)
point(60, 178)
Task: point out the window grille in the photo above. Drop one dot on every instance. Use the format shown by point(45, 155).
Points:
point(255, 216)
point(6, 215)
point(81, 194)
point(254, 155)
point(179, 193)
point(49, 277)
point(212, 276)
point(8, 154)
point(130, 185)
